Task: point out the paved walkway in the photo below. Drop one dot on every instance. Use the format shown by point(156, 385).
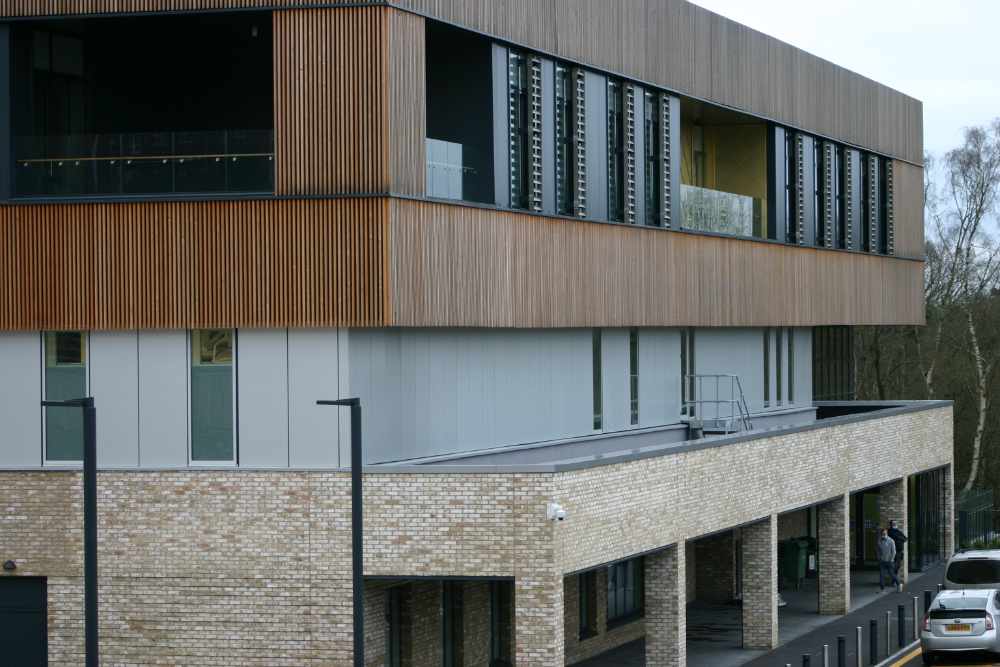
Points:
point(713, 631)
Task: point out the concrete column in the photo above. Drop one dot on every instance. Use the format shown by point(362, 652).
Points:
point(892, 507)
point(948, 512)
point(833, 521)
point(760, 584)
point(666, 600)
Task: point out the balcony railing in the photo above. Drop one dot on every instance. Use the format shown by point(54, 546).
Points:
point(720, 212)
point(144, 163)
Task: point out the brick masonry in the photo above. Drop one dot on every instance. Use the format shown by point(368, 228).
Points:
point(892, 507)
point(715, 564)
point(666, 619)
point(243, 567)
point(760, 584)
point(833, 544)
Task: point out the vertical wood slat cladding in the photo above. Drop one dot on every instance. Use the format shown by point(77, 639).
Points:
point(14, 8)
point(193, 264)
point(407, 103)
point(330, 103)
point(685, 48)
point(908, 209)
point(463, 266)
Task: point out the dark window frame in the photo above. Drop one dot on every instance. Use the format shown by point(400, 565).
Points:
point(652, 157)
point(616, 150)
point(565, 170)
point(626, 594)
point(519, 128)
point(633, 375)
point(587, 593)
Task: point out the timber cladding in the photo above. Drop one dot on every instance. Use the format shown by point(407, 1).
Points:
point(908, 196)
point(349, 101)
point(690, 50)
point(191, 265)
point(465, 266)
point(16, 8)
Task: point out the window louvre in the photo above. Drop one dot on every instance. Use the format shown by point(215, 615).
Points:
point(629, 154)
point(872, 203)
point(890, 213)
point(536, 134)
point(564, 142)
point(666, 204)
point(829, 194)
point(800, 175)
point(849, 197)
point(518, 105)
point(579, 142)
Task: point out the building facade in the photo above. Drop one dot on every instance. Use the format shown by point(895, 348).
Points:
point(592, 269)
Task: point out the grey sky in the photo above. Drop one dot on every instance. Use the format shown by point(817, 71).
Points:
point(945, 53)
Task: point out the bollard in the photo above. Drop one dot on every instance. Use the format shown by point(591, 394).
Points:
point(872, 641)
point(916, 618)
point(826, 655)
point(928, 598)
point(888, 633)
point(841, 651)
point(940, 587)
point(859, 646)
point(901, 626)
point(805, 660)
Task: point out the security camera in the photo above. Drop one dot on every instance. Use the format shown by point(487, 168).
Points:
point(555, 512)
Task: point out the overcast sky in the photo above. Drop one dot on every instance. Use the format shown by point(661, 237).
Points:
point(945, 53)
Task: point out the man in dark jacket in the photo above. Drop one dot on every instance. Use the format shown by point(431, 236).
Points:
point(899, 538)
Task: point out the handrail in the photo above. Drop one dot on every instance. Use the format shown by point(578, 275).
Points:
point(739, 410)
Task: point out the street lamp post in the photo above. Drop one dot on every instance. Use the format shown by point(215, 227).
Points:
point(357, 529)
point(89, 522)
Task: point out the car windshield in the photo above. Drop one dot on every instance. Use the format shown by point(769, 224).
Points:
point(974, 572)
point(962, 603)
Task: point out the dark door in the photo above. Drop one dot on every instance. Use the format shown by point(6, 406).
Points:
point(23, 632)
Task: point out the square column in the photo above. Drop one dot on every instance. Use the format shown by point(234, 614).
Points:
point(834, 543)
point(539, 622)
point(666, 614)
point(892, 507)
point(760, 584)
point(948, 512)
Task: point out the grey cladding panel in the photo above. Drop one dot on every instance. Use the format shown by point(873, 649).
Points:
point(852, 198)
point(262, 376)
point(597, 146)
point(163, 399)
point(20, 393)
point(114, 382)
point(313, 374)
point(615, 379)
point(501, 127)
point(808, 194)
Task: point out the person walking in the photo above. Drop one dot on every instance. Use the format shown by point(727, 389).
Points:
point(885, 548)
point(898, 538)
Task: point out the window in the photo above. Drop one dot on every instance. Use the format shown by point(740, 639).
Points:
point(625, 591)
point(652, 147)
point(598, 399)
point(767, 368)
point(452, 629)
point(791, 366)
point(520, 128)
point(687, 371)
point(394, 619)
point(819, 217)
point(791, 170)
point(65, 378)
point(564, 138)
point(883, 206)
point(777, 366)
point(212, 393)
point(616, 153)
point(588, 604)
point(866, 194)
point(633, 375)
point(501, 616)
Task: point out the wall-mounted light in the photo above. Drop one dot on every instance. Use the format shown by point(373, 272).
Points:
point(254, 31)
point(9, 565)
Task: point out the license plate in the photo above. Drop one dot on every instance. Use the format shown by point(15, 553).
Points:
point(958, 627)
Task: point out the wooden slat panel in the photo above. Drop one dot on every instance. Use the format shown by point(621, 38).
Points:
point(464, 266)
point(13, 8)
point(691, 50)
point(908, 199)
point(330, 104)
point(407, 103)
point(193, 264)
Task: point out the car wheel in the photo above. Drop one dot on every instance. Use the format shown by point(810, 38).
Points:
point(928, 658)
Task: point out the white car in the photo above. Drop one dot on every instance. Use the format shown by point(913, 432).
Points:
point(961, 621)
point(973, 569)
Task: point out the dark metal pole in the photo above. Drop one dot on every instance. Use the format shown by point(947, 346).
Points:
point(805, 660)
point(357, 527)
point(90, 621)
point(901, 625)
point(841, 651)
point(928, 598)
point(873, 641)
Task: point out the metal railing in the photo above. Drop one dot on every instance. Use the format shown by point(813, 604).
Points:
point(144, 163)
point(723, 414)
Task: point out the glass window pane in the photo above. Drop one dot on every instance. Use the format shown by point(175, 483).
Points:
point(65, 378)
point(212, 395)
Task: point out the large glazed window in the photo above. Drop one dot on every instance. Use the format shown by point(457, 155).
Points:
point(143, 106)
point(520, 140)
point(625, 591)
point(616, 152)
point(652, 157)
point(65, 378)
point(723, 171)
point(212, 383)
point(564, 141)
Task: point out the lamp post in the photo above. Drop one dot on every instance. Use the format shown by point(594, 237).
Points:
point(89, 521)
point(357, 529)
